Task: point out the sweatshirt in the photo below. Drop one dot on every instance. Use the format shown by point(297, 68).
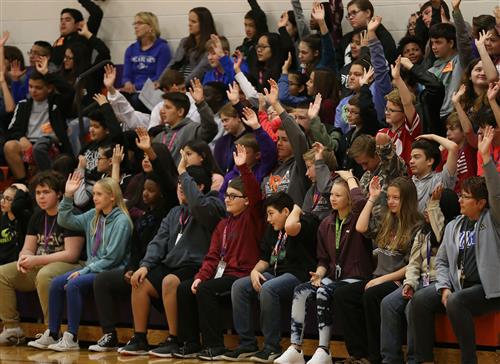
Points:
point(239, 236)
point(113, 251)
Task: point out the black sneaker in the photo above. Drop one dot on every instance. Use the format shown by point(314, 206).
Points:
point(135, 347)
point(188, 351)
point(212, 353)
point(266, 355)
point(166, 349)
point(108, 342)
point(241, 353)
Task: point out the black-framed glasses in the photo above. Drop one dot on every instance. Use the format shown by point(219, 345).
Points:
point(388, 109)
point(232, 196)
point(6, 198)
point(352, 14)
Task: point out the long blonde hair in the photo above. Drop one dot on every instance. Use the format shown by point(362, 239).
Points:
point(397, 230)
point(112, 188)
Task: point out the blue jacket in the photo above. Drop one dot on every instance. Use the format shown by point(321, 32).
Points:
point(139, 65)
point(114, 250)
point(213, 75)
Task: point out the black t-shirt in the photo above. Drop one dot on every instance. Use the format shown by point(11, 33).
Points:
point(9, 240)
point(294, 254)
point(467, 252)
point(50, 236)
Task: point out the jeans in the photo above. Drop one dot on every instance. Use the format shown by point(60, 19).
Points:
point(74, 290)
point(273, 291)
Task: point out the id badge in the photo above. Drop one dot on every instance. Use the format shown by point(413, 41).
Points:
point(338, 271)
point(179, 236)
point(425, 280)
point(220, 269)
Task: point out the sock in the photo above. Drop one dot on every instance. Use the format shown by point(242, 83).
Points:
point(172, 338)
point(54, 335)
point(324, 348)
point(141, 336)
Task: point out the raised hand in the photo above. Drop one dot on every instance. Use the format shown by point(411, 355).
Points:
point(233, 93)
point(129, 87)
point(396, 69)
point(375, 188)
point(314, 107)
point(217, 45)
point(374, 23)
point(456, 4)
point(318, 151)
point(42, 65)
point(73, 183)
point(437, 193)
point(457, 96)
point(345, 175)
point(406, 63)
point(250, 118)
point(143, 140)
point(492, 92)
point(117, 154)
point(109, 76)
point(100, 99)
point(363, 38)
point(196, 91)
point(15, 70)
point(84, 30)
point(240, 156)
point(4, 38)
point(237, 62)
point(318, 11)
point(367, 76)
point(283, 19)
point(82, 162)
point(484, 143)
point(286, 66)
point(273, 93)
point(483, 36)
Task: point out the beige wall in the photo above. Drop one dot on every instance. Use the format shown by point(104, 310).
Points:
point(29, 20)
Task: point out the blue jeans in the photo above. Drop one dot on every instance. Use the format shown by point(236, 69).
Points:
point(274, 291)
point(74, 290)
point(393, 310)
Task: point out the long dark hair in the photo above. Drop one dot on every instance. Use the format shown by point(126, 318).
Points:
point(202, 148)
point(81, 62)
point(207, 27)
point(326, 84)
point(272, 67)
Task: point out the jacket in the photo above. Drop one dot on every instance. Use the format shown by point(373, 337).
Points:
point(198, 62)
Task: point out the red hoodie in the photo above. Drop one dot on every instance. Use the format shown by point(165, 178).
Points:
point(243, 235)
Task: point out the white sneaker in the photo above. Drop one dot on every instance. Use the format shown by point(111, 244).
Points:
point(43, 340)
point(65, 343)
point(11, 336)
point(320, 357)
point(291, 356)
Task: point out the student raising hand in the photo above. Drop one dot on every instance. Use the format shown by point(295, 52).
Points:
point(196, 91)
point(240, 155)
point(72, 184)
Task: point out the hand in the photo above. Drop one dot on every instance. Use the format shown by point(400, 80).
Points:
point(129, 88)
point(406, 63)
point(407, 292)
point(315, 279)
point(286, 66)
point(127, 276)
point(84, 30)
point(4, 38)
point(493, 91)
point(318, 151)
point(237, 62)
point(457, 96)
point(42, 65)
point(484, 144)
point(374, 23)
point(20, 186)
point(181, 168)
point(143, 140)
point(100, 99)
point(240, 155)
point(138, 277)
point(374, 282)
point(194, 286)
point(363, 38)
point(314, 107)
point(283, 19)
point(109, 76)
point(73, 275)
point(72, 184)
point(196, 91)
point(396, 69)
point(250, 118)
point(367, 76)
point(272, 93)
point(82, 162)
point(27, 262)
point(483, 36)
point(117, 154)
point(445, 293)
point(345, 175)
point(496, 13)
point(318, 11)
point(256, 277)
point(375, 188)
point(455, 4)
point(233, 93)
point(15, 70)
point(437, 193)
point(25, 144)
point(19, 266)
point(217, 45)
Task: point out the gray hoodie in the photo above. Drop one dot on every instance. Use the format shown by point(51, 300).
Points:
point(487, 247)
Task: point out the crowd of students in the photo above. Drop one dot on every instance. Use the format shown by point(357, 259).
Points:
point(332, 171)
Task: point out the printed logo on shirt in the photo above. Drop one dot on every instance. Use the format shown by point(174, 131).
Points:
point(5, 236)
point(277, 183)
point(143, 61)
point(469, 237)
point(448, 67)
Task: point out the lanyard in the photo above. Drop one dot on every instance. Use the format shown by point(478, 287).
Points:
point(99, 235)
point(316, 198)
point(172, 140)
point(338, 231)
point(429, 250)
point(280, 243)
point(47, 233)
point(183, 220)
point(261, 77)
point(223, 249)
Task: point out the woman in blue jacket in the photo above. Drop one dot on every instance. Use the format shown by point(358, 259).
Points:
point(107, 230)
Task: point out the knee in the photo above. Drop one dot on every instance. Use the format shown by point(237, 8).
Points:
point(454, 304)
point(12, 146)
point(101, 282)
point(169, 284)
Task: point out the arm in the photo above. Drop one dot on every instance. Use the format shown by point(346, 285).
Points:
point(115, 130)
point(266, 125)
point(490, 174)
point(208, 127)
point(162, 61)
point(452, 147)
point(127, 75)
point(157, 248)
point(442, 264)
point(212, 258)
point(67, 219)
point(199, 70)
point(124, 112)
point(302, 26)
point(465, 123)
point(464, 38)
point(488, 66)
point(413, 268)
point(319, 134)
point(436, 218)
point(364, 218)
point(367, 111)
point(292, 224)
point(72, 247)
point(100, 47)
point(284, 94)
point(405, 94)
point(297, 139)
point(252, 187)
point(382, 79)
point(323, 182)
point(268, 153)
point(95, 15)
point(247, 88)
point(492, 98)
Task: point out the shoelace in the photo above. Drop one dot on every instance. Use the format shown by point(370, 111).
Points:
point(105, 339)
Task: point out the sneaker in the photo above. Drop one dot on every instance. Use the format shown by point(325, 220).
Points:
point(166, 349)
point(108, 342)
point(188, 351)
point(266, 355)
point(291, 356)
point(66, 343)
point(135, 347)
point(212, 353)
point(241, 353)
point(321, 357)
point(42, 340)
point(12, 336)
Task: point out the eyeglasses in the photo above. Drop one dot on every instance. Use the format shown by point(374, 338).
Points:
point(34, 53)
point(6, 198)
point(388, 109)
point(232, 196)
point(352, 14)
point(352, 112)
point(466, 197)
point(138, 23)
point(261, 46)
point(67, 58)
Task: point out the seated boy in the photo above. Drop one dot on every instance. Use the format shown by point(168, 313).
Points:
point(48, 251)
